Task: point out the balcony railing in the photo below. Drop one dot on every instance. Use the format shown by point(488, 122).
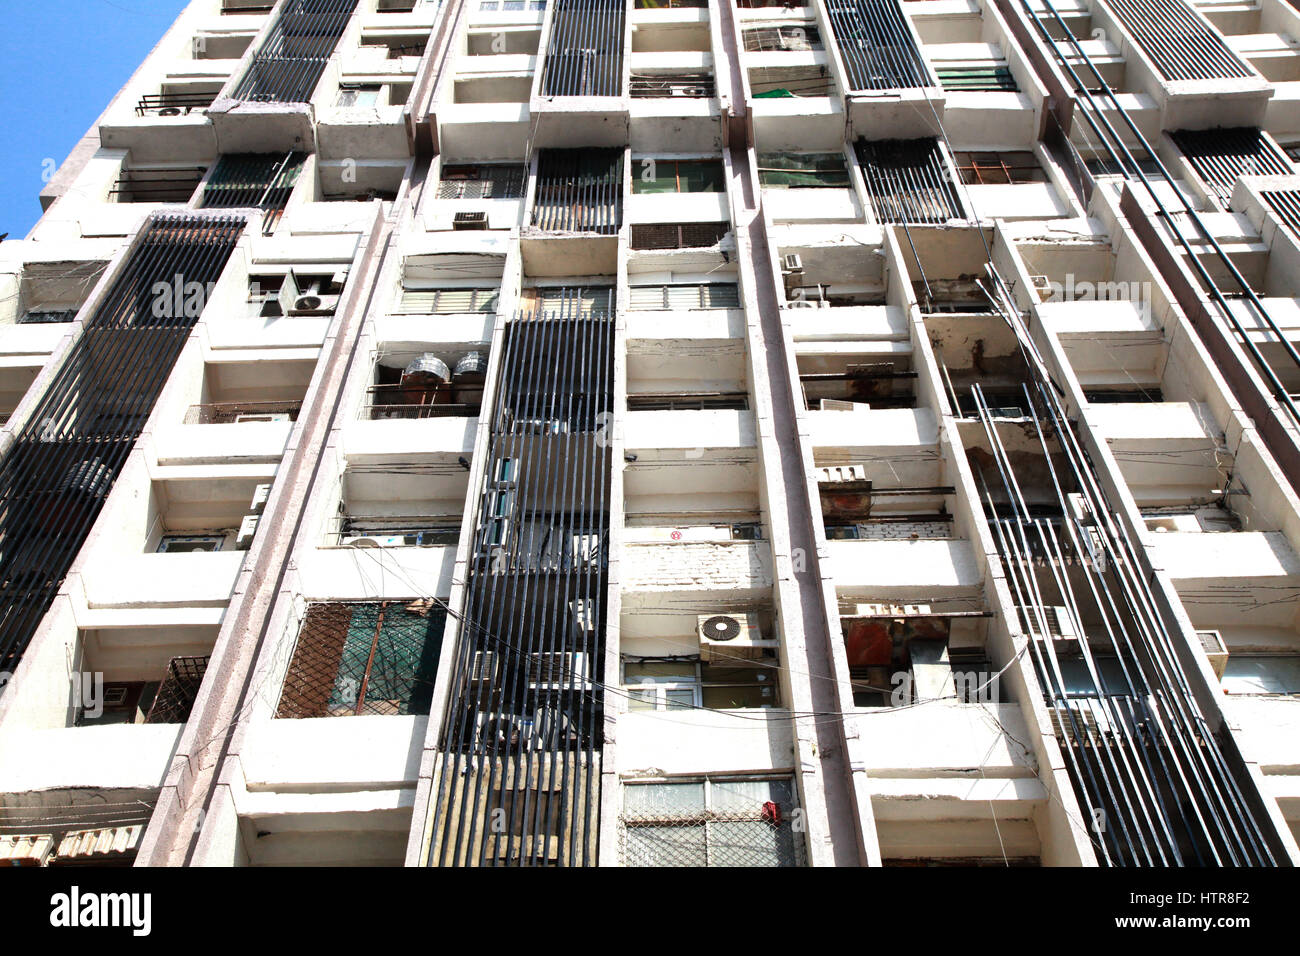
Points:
point(230, 413)
point(1221, 156)
point(673, 85)
point(173, 104)
point(579, 190)
point(908, 181)
point(1180, 44)
point(290, 61)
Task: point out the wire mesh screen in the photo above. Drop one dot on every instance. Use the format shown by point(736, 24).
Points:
point(712, 822)
point(689, 235)
point(364, 658)
point(178, 690)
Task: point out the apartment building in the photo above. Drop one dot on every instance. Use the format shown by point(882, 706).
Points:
point(662, 433)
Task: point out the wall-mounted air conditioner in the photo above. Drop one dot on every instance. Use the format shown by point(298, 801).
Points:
point(306, 298)
point(731, 637)
point(1215, 649)
point(469, 220)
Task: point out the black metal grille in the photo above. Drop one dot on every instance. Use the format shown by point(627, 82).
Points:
point(64, 461)
point(1285, 204)
point(1220, 156)
point(875, 45)
point(261, 180)
point(376, 658)
point(482, 182)
point(579, 190)
point(156, 185)
point(908, 181)
point(289, 64)
point(178, 691)
point(173, 104)
point(1180, 44)
point(689, 235)
point(585, 54)
point(519, 776)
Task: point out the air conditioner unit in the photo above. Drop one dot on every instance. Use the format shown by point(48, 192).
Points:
point(792, 264)
point(1060, 627)
point(1079, 508)
point(295, 299)
point(840, 405)
point(1013, 412)
point(247, 531)
point(730, 637)
point(503, 733)
point(1215, 649)
point(262, 417)
point(469, 220)
point(260, 495)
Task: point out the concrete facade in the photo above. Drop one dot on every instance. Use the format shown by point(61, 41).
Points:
point(736, 415)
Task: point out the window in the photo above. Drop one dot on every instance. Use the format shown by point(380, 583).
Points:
point(803, 171)
point(787, 38)
point(365, 658)
point(1105, 165)
point(977, 79)
point(666, 85)
point(712, 295)
point(359, 94)
point(482, 182)
point(714, 821)
point(47, 316)
point(678, 176)
point(998, 169)
point(447, 301)
point(687, 685)
point(1262, 674)
point(176, 543)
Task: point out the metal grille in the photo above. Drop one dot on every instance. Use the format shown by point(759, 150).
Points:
point(1221, 156)
point(178, 690)
point(63, 462)
point(260, 180)
point(876, 45)
point(482, 182)
point(908, 181)
point(585, 54)
point(48, 316)
point(691, 235)
point(1181, 44)
point(1286, 206)
point(518, 783)
point(1152, 777)
point(230, 413)
point(579, 190)
point(715, 822)
point(290, 61)
point(173, 104)
point(364, 658)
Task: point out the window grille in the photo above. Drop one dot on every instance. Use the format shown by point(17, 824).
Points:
point(364, 658)
point(712, 295)
point(715, 821)
point(482, 182)
point(691, 235)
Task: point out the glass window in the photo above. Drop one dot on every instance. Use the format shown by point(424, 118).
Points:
point(1262, 674)
point(359, 95)
point(999, 168)
point(803, 171)
point(652, 175)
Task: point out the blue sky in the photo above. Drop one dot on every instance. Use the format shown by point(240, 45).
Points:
point(64, 60)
